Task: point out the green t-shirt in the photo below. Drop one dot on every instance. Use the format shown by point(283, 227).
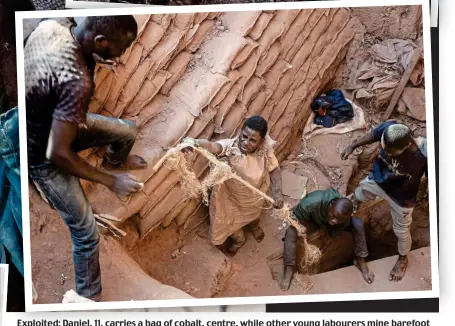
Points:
point(314, 207)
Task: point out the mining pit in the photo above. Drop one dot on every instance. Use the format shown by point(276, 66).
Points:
point(201, 75)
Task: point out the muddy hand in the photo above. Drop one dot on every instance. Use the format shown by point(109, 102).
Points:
point(125, 184)
point(348, 151)
point(189, 141)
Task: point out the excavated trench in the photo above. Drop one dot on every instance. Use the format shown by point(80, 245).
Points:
point(201, 75)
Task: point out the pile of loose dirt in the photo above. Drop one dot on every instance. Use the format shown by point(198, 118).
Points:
point(53, 271)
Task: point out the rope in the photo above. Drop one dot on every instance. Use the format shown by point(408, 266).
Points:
point(220, 171)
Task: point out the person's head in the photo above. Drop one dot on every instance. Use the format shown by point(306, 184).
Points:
point(107, 36)
point(396, 139)
point(252, 134)
point(340, 210)
point(320, 106)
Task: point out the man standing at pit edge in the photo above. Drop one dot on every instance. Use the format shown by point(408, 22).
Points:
point(60, 58)
point(395, 178)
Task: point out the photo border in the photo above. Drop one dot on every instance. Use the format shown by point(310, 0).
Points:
point(434, 12)
point(30, 307)
point(72, 4)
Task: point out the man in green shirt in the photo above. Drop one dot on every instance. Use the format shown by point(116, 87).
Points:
point(328, 210)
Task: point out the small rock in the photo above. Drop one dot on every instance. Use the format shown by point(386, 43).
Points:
point(175, 253)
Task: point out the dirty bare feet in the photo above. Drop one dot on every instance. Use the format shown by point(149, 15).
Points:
point(363, 268)
point(286, 279)
point(232, 249)
point(258, 234)
point(133, 162)
point(399, 269)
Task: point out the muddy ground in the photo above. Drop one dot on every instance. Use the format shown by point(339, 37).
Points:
point(160, 252)
point(189, 263)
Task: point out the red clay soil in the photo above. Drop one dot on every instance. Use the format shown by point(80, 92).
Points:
point(52, 266)
point(165, 254)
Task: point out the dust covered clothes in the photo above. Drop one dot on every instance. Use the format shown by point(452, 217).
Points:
point(397, 181)
point(58, 83)
point(398, 176)
point(232, 205)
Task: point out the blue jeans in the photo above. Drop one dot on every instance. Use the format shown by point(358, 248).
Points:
point(65, 193)
point(10, 191)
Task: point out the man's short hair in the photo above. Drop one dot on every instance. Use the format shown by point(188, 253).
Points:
point(113, 26)
point(396, 136)
point(257, 123)
point(344, 206)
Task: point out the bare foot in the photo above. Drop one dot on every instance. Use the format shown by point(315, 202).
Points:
point(258, 234)
point(362, 266)
point(399, 269)
point(286, 279)
point(133, 162)
point(233, 248)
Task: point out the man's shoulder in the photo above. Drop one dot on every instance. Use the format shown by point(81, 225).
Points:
point(53, 42)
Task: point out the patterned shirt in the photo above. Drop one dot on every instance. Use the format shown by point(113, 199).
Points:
point(58, 83)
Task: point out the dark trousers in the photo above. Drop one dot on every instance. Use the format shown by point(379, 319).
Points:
point(291, 239)
point(65, 193)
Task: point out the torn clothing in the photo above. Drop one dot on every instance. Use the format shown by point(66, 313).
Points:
point(58, 83)
point(314, 207)
point(291, 241)
point(233, 205)
point(399, 176)
point(10, 192)
point(368, 190)
point(65, 194)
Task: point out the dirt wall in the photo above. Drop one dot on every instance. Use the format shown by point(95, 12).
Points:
point(400, 22)
point(201, 75)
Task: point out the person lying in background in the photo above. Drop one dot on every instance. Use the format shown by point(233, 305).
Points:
point(60, 58)
point(330, 212)
point(232, 205)
point(331, 109)
point(395, 177)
